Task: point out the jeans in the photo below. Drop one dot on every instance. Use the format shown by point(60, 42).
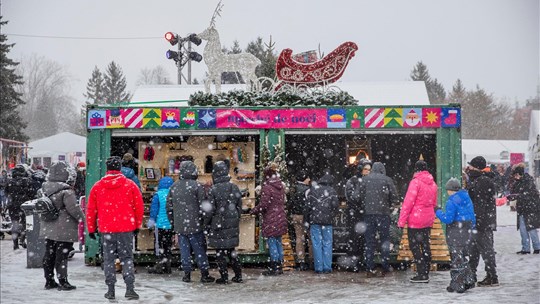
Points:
point(56, 257)
point(195, 242)
point(322, 240)
point(421, 250)
point(276, 248)
point(527, 236)
point(381, 224)
point(120, 244)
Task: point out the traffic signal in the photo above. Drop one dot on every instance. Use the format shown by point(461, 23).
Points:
point(172, 38)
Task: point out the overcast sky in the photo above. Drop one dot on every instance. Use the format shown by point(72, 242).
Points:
point(492, 43)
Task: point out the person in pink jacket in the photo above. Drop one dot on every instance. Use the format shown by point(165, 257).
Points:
point(418, 214)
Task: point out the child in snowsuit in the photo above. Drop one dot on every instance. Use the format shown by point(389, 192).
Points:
point(460, 221)
point(160, 221)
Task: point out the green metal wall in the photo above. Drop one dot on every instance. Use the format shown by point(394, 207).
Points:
point(448, 159)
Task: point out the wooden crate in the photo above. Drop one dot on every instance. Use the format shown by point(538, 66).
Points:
point(439, 248)
point(145, 240)
point(288, 255)
point(247, 233)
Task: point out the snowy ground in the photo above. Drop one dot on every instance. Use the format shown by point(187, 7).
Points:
point(519, 277)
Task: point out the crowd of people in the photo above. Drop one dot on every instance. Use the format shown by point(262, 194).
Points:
point(204, 217)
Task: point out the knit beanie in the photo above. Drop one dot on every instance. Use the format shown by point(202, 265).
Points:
point(114, 163)
point(453, 184)
point(58, 172)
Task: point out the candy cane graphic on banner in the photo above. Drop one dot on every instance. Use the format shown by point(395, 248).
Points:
point(374, 117)
point(133, 118)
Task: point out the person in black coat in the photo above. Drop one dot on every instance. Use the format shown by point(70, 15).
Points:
point(322, 206)
point(482, 191)
point(297, 208)
point(355, 215)
point(20, 188)
point(185, 207)
point(223, 221)
point(527, 199)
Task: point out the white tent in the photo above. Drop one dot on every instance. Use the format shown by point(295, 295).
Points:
point(64, 146)
point(494, 151)
point(534, 144)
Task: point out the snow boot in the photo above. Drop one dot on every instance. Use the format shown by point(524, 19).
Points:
point(15, 244)
point(64, 285)
point(110, 292)
point(279, 267)
point(237, 273)
point(130, 293)
point(206, 278)
point(187, 277)
point(271, 270)
point(488, 282)
point(224, 273)
point(304, 266)
point(51, 284)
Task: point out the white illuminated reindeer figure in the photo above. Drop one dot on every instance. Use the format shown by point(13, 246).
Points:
point(219, 62)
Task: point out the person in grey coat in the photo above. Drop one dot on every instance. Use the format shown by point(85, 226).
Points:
point(379, 194)
point(61, 233)
point(184, 206)
point(223, 220)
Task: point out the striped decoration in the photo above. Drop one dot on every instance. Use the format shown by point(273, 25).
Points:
point(374, 117)
point(133, 118)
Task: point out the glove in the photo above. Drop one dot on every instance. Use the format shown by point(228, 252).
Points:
point(151, 224)
point(437, 208)
point(92, 235)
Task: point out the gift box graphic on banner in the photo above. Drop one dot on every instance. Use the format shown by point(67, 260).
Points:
point(96, 119)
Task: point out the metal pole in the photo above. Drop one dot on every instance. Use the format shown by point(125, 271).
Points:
point(178, 63)
point(189, 63)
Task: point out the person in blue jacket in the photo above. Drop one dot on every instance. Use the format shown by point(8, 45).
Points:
point(160, 221)
point(460, 221)
point(128, 163)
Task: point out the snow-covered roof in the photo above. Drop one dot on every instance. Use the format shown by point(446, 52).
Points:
point(491, 149)
point(61, 143)
point(367, 93)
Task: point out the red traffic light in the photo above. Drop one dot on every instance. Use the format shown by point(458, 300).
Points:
point(171, 37)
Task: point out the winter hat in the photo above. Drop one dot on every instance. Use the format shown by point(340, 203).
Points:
point(58, 172)
point(127, 157)
point(420, 166)
point(362, 163)
point(453, 184)
point(478, 162)
point(301, 175)
point(81, 165)
point(519, 170)
point(19, 171)
point(114, 163)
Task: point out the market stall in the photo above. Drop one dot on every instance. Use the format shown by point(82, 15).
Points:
point(311, 138)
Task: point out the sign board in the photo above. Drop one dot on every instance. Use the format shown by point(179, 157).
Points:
point(516, 158)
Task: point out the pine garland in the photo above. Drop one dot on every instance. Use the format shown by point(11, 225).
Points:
point(239, 98)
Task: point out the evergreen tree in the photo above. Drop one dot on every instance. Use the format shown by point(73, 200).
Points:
point(12, 125)
point(458, 93)
point(115, 85)
point(267, 56)
point(435, 90)
point(95, 87)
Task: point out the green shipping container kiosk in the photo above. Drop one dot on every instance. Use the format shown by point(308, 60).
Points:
point(307, 138)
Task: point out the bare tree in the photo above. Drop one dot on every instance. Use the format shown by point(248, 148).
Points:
point(49, 108)
point(157, 75)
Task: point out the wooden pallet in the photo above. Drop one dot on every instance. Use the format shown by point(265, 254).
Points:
point(288, 254)
point(439, 248)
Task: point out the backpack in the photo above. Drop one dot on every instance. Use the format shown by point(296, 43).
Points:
point(45, 207)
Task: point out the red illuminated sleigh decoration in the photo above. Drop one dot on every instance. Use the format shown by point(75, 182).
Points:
point(322, 72)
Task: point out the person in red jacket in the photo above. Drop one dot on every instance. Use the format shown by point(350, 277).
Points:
point(115, 205)
point(418, 213)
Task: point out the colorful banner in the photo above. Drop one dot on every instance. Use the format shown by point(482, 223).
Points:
point(303, 118)
point(276, 119)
